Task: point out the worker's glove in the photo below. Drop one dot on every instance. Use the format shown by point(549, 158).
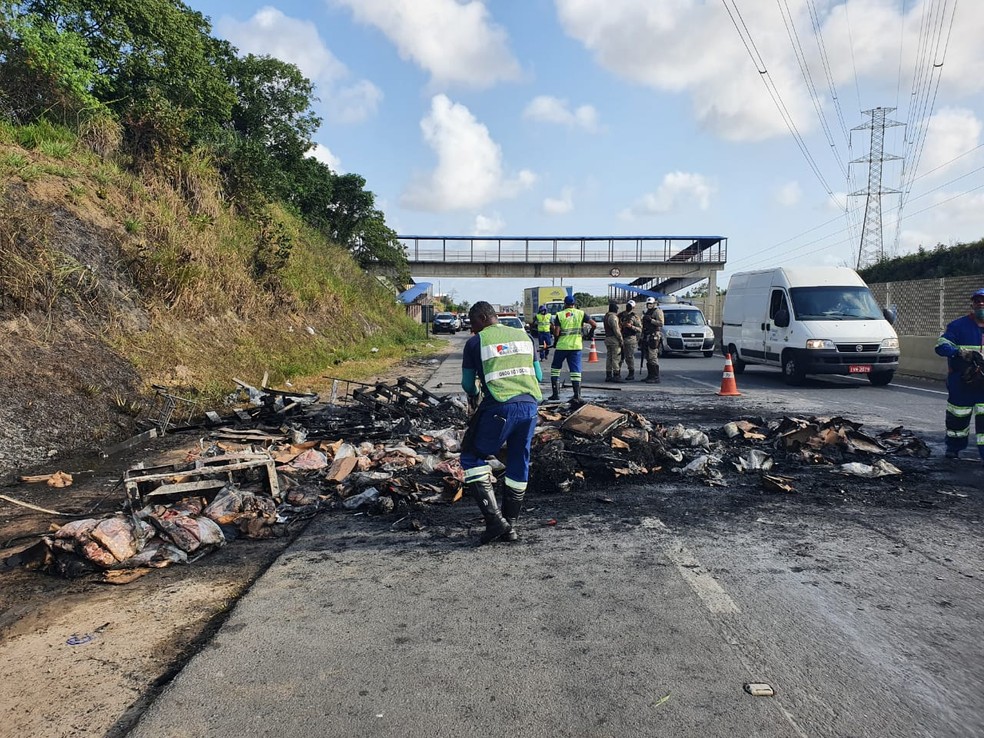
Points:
point(473, 401)
point(968, 355)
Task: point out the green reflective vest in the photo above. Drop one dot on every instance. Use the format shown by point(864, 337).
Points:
point(543, 322)
point(507, 363)
point(570, 319)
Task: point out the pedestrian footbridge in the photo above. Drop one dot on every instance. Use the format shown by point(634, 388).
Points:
point(652, 263)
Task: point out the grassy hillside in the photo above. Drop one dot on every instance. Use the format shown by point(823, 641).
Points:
point(111, 281)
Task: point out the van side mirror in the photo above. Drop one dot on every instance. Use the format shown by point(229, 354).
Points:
point(782, 319)
point(890, 315)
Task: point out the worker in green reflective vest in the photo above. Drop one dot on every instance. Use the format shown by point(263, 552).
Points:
point(568, 345)
point(503, 361)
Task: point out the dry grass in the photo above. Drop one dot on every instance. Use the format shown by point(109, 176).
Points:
point(192, 313)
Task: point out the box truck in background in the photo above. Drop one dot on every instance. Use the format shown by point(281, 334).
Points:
point(552, 297)
point(809, 320)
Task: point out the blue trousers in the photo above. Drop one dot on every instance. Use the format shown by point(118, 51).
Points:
point(511, 424)
point(573, 358)
point(963, 402)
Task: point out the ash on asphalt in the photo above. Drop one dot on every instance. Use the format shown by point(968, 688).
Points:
point(927, 487)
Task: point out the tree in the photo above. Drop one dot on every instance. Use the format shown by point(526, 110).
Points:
point(43, 70)
point(273, 106)
point(147, 49)
point(585, 299)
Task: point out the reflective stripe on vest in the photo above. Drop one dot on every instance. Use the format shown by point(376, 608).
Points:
point(543, 322)
point(507, 363)
point(570, 320)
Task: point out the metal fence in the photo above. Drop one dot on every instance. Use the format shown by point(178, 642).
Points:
point(925, 306)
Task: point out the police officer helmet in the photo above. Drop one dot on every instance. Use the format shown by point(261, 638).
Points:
point(543, 308)
point(569, 300)
point(650, 301)
point(630, 304)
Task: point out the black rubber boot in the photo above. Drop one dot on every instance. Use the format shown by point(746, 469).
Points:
point(555, 389)
point(577, 391)
point(608, 377)
point(512, 503)
point(495, 525)
point(653, 377)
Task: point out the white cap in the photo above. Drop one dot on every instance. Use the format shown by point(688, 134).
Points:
point(630, 304)
point(650, 300)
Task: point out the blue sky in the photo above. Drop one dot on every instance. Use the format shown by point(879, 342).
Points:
point(638, 117)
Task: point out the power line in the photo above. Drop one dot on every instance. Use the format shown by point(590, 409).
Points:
point(844, 241)
point(825, 62)
point(794, 40)
point(773, 91)
point(859, 208)
point(850, 40)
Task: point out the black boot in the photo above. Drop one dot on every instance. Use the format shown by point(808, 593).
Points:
point(630, 377)
point(495, 525)
point(512, 503)
point(608, 377)
point(653, 377)
point(555, 387)
point(577, 391)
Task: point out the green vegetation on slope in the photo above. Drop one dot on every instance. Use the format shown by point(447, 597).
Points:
point(158, 267)
point(955, 261)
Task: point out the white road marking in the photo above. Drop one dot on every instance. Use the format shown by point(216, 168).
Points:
point(697, 381)
point(701, 582)
point(896, 385)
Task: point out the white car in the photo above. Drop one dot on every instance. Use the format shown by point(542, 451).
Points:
point(685, 331)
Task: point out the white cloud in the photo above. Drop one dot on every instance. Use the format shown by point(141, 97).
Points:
point(487, 225)
point(676, 188)
point(951, 132)
point(652, 44)
point(789, 194)
point(469, 172)
point(549, 109)
point(559, 206)
point(455, 42)
point(326, 157)
point(271, 32)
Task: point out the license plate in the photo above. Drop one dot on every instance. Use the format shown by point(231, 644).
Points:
point(859, 369)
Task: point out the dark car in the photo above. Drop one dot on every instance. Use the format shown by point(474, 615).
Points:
point(446, 323)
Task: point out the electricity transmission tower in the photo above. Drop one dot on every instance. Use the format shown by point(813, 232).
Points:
point(872, 247)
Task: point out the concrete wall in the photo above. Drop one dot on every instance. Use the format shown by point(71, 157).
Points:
point(919, 358)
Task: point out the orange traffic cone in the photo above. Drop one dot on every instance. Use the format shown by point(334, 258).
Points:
point(593, 353)
point(728, 386)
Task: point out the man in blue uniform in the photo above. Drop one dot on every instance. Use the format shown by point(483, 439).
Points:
point(963, 344)
point(504, 361)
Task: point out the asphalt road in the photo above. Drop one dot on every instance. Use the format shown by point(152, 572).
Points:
point(642, 616)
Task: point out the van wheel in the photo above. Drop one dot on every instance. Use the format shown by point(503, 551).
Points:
point(881, 379)
point(736, 364)
point(791, 371)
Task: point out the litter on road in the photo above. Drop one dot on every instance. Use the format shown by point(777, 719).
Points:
point(393, 449)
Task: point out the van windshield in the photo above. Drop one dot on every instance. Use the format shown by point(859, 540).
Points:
point(683, 317)
point(834, 303)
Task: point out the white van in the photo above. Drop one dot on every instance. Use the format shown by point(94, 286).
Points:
point(809, 320)
point(685, 330)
